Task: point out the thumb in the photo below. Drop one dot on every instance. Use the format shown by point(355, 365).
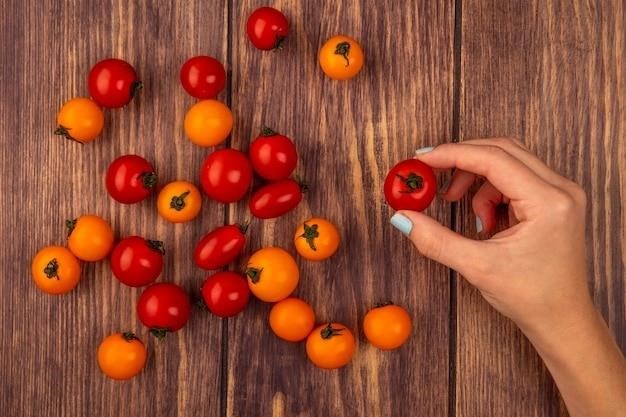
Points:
point(439, 243)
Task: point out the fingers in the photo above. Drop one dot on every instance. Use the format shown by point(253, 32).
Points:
point(507, 173)
point(460, 182)
point(484, 204)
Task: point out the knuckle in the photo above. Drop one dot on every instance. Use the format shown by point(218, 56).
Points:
point(563, 203)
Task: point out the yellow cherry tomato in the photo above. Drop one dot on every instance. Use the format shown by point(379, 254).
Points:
point(90, 237)
point(316, 239)
point(330, 346)
point(80, 119)
point(55, 270)
point(387, 327)
point(341, 57)
point(272, 274)
point(208, 123)
point(121, 355)
point(179, 202)
point(292, 319)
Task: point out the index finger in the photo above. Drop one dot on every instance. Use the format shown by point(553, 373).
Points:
point(507, 173)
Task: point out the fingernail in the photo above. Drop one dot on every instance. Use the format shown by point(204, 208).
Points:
point(479, 225)
point(402, 223)
point(424, 150)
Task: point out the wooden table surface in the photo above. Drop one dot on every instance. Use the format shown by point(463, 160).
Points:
point(549, 72)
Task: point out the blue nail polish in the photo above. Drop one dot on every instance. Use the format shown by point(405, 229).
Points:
point(479, 225)
point(402, 223)
point(424, 150)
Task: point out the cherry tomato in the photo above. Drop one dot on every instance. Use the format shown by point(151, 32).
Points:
point(179, 202)
point(267, 28)
point(130, 179)
point(90, 238)
point(292, 319)
point(113, 83)
point(163, 307)
point(276, 198)
point(121, 355)
point(341, 57)
point(410, 185)
point(55, 270)
point(387, 327)
point(273, 156)
point(80, 119)
point(220, 247)
point(226, 175)
point(203, 77)
point(330, 346)
point(136, 261)
point(225, 293)
point(316, 239)
point(272, 274)
point(208, 123)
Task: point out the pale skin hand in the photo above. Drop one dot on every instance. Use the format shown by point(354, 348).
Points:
point(533, 272)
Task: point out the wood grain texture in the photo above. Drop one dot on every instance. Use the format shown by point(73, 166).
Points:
point(553, 74)
point(48, 364)
point(348, 135)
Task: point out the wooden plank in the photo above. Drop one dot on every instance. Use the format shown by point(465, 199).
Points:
point(48, 365)
point(348, 135)
point(551, 73)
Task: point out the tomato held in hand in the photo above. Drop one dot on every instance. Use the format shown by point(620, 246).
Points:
point(121, 356)
point(208, 123)
point(341, 57)
point(387, 327)
point(226, 175)
point(275, 199)
point(272, 274)
point(55, 270)
point(203, 77)
point(317, 239)
point(113, 83)
point(273, 156)
point(130, 179)
point(90, 238)
point(330, 346)
point(179, 202)
point(136, 261)
point(80, 119)
point(292, 319)
point(163, 307)
point(410, 185)
point(225, 293)
point(267, 28)
point(220, 247)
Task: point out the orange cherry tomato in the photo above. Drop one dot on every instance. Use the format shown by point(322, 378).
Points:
point(208, 123)
point(272, 274)
point(121, 355)
point(80, 119)
point(330, 346)
point(316, 239)
point(89, 237)
point(292, 319)
point(387, 327)
point(179, 202)
point(55, 270)
point(341, 57)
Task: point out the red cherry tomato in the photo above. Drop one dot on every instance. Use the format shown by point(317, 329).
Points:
point(410, 185)
point(220, 247)
point(273, 156)
point(276, 198)
point(267, 28)
point(130, 179)
point(203, 77)
point(136, 261)
point(226, 175)
point(113, 83)
point(163, 307)
point(225, 293)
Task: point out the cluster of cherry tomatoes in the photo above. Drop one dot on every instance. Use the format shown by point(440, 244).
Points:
point(226, 176)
